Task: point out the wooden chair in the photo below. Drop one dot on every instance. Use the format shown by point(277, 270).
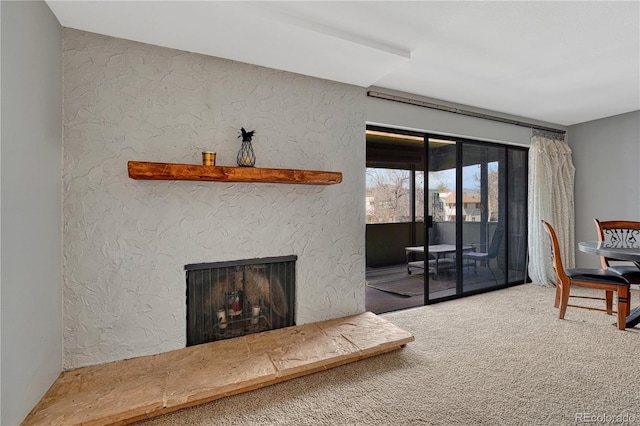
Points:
point(624, 233)
point(600, 279)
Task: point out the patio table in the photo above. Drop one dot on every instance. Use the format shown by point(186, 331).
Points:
point(438, 251)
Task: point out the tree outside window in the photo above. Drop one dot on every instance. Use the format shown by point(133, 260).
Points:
point(388, 195)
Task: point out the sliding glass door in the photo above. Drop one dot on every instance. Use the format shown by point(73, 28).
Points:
point(477, 199)
point(446, 216)
point(483, 221)
point(441, 234)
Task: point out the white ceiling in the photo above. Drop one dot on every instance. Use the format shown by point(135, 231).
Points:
point(559, 62)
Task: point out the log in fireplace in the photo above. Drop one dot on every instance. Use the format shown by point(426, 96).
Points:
point(236, 298)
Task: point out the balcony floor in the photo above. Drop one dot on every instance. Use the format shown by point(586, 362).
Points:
point(379, 302)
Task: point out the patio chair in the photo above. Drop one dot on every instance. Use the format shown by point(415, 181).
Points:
point(600, 279)
point(623, 233)
point(492, 253)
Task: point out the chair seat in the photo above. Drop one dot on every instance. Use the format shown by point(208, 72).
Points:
point(593, 274)
point(629, 272)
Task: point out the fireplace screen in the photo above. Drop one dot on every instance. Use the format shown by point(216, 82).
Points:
point(230, 299)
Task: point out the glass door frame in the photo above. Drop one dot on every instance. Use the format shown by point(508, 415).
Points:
point(414, 164)
point(505, 217)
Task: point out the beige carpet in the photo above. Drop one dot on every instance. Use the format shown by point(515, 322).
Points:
point(500, 358)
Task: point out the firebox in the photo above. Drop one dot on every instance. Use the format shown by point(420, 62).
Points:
point(236, 298)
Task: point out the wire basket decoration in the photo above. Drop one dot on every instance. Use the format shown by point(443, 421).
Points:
point(246, 157)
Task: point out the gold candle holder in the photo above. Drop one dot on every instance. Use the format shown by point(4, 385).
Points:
point(208, 158)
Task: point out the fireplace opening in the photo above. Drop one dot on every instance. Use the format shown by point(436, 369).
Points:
point(236, 298)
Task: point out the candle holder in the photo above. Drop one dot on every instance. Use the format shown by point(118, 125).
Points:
point(208, 158)
point(255, 314)
point(221, 314)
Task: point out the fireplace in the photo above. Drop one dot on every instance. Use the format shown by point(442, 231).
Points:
point(236, 298)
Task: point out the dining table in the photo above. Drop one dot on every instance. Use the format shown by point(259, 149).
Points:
point(620, 251)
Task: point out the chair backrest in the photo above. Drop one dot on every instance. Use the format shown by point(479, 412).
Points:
point(496, 240)
point(555, 253)
point(617, 233)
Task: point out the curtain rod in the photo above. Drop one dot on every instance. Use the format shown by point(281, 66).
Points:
point(394, 98)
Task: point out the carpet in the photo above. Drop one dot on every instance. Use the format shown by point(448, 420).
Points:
point(499, 358)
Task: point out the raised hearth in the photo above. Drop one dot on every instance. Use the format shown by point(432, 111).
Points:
point(126, 391)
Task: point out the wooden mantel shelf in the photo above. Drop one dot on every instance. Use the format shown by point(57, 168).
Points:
point(172, 171)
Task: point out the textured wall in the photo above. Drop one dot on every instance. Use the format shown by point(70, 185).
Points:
point(126, 241)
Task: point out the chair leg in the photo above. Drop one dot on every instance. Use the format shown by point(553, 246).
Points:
point(623, 306)
point(628, 303)
point(497, 273)
point(557, 301)
point(608, 298)
point(564, 299)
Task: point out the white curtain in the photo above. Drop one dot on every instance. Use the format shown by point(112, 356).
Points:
point(551, 182)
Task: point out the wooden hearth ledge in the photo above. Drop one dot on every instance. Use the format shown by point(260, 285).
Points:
point(126, 391)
